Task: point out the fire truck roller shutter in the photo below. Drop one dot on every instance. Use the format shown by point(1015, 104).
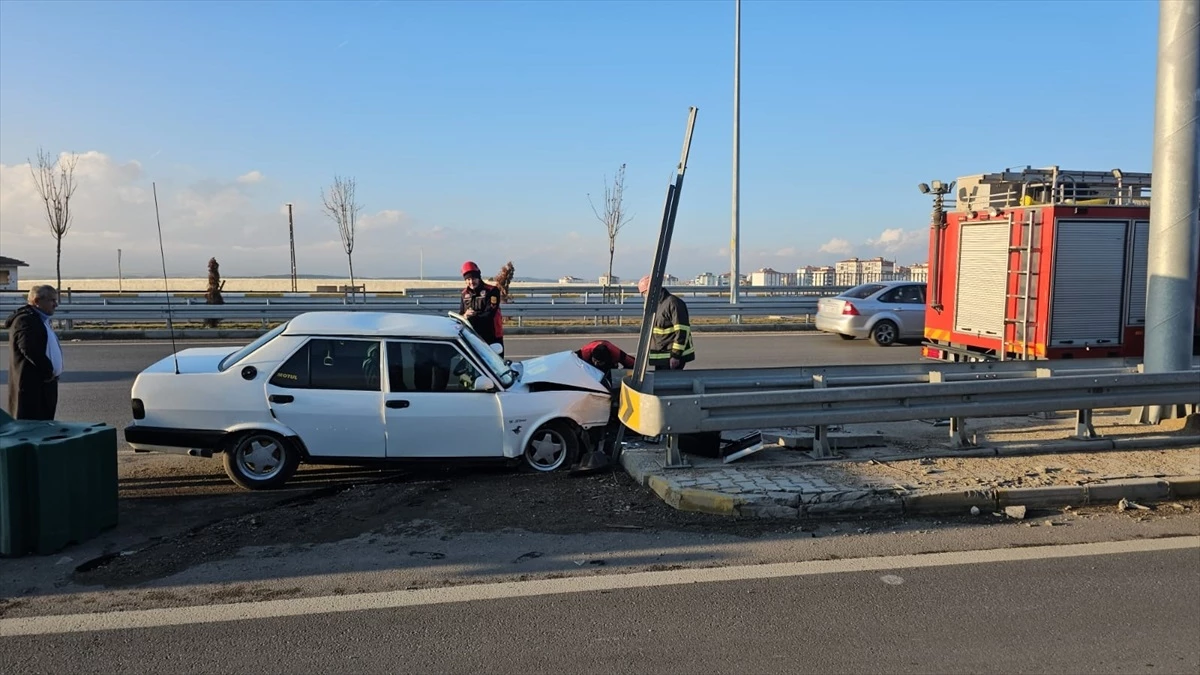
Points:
point(982, 272)
point(1088, 293)
point(1139, 266)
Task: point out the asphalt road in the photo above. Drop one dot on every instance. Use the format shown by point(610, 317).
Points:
point(98, 375)
point(1121, 608)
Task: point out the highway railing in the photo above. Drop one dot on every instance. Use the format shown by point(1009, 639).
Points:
point(575, 293)
point(674, 403)
point(269, 310)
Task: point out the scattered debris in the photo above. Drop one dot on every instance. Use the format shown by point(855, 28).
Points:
point(1178, 507)
point(1048, 523)
point(974, 510)
point(925, 461)
point(1126, 504)
point(1017, 512)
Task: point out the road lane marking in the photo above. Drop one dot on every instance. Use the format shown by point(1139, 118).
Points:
point(180, 616)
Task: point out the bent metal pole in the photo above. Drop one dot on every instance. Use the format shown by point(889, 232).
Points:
point(1174, 230)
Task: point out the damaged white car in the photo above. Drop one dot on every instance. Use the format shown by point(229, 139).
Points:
point(360, 388)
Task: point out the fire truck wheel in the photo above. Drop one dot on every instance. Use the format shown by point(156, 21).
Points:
point(845, 337)
point(884, 333)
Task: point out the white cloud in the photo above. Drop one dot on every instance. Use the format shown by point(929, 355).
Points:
point(388, 218)
point(838, 246)
point(233, 219)
point(898, 239)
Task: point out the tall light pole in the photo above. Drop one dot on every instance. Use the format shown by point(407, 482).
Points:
point(119, 279)
point(1174, 223)
point(734, 273)
point(292, 245)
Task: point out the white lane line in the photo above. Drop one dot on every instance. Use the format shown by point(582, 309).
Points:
point(179, 616)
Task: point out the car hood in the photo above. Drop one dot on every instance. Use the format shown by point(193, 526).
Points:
point(563, 368)
point(194, 360)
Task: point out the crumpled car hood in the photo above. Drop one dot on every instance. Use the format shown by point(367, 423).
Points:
point(562, 368)
point(194, 360)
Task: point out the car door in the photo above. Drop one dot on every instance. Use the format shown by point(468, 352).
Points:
point(907, 302)
point(431, 408)
point(330, 393)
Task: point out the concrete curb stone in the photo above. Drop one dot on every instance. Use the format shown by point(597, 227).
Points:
point(890, 502)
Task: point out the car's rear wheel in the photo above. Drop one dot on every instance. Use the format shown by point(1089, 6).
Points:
point(845, 337)
point(260, 460)
point(885, 333)
point(555, 445)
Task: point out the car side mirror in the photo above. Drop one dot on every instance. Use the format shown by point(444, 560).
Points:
point(498, 348)
point(484, 383)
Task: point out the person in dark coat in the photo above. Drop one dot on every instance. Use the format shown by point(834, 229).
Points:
point(671, 346)
point(35, 357)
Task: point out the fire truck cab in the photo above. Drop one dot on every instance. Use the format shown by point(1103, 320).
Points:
point(1040, 264)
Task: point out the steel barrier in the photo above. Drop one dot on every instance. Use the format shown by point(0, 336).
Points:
point(266, 311)
point(677, 403)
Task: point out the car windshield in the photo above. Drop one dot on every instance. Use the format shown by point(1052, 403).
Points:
point(863, 291)
point(251, 348)
point(497, 365)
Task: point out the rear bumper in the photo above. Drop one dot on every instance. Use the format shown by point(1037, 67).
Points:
point(844, 325)
point(154, 438)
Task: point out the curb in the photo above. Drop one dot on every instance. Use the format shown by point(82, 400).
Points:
point(251, 333)
point(889, 503)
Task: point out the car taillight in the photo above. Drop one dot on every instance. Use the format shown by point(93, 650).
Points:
point(849, 309)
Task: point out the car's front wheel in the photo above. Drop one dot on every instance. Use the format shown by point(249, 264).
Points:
point(260, 460)
point(885, 333)
point(553, 446)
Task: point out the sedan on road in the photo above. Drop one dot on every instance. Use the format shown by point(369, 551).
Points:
point(366, 387)
point(886, 312)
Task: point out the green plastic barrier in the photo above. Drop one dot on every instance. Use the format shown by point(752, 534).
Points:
point(58, 484)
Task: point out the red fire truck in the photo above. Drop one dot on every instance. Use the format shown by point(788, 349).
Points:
point(1039, 264)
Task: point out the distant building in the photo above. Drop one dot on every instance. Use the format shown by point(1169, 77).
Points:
point(918, 272)
point(606, 280)
point(708, 279)
point(815, 276)
point(8, 272)
point(854, 271)
point(569, 280)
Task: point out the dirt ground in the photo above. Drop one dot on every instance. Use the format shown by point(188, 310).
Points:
point(391, 503)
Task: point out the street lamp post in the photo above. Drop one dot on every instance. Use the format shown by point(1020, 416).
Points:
point(734, 272)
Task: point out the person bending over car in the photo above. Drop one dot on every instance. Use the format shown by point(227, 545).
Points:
point(604, 355)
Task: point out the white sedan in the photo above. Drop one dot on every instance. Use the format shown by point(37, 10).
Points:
point(365, 387)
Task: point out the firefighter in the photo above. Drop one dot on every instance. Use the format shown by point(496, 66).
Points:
point(671, 337)
point(604, 355)
point(481, 305)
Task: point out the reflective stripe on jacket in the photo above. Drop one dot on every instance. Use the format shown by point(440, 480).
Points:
point(671, 336)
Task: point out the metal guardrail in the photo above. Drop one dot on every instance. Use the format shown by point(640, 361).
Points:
point(584, 293)
point(742, 400)
point(141, 312)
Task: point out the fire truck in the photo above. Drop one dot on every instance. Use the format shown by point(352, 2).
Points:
point(1039, 264)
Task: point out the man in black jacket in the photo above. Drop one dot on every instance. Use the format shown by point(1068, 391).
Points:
point(671, 337)
point(35, 357)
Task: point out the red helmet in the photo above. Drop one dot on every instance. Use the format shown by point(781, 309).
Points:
point(469, 268)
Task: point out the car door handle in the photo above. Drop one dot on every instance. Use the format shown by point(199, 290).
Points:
point(281, 398)
point(397, 404)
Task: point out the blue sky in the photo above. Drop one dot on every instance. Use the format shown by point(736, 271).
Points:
point(477, 129)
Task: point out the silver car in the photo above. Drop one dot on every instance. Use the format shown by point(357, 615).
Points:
point(886, 311)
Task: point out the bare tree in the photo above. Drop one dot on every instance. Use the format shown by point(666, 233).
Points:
point(55, 182)
point(613, 215)
point(342, 208)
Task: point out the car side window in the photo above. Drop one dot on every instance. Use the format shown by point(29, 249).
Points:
point(429, 367)
point(344, 365)
point(293, 374)
point(907, 295)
